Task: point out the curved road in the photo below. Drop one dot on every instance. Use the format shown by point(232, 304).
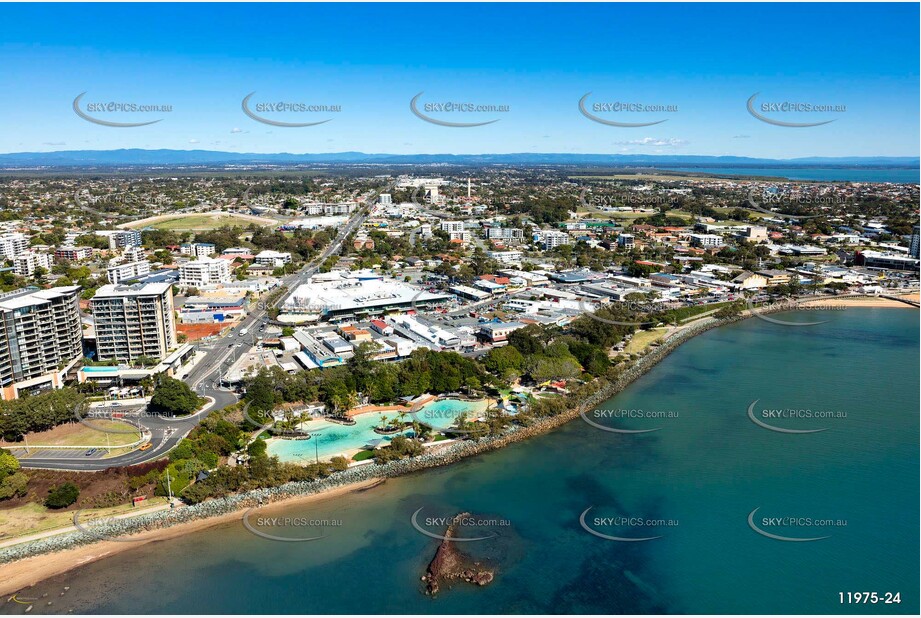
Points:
point(205, 377)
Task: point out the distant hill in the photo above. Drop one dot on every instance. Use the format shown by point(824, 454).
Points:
point(141, 157)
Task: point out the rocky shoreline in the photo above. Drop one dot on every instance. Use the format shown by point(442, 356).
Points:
point(449, 454)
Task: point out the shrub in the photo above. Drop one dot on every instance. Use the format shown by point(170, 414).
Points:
point(14, 486)
point(62, 496)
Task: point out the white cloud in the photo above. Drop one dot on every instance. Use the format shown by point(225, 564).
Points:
point(236, 130)
point(193, 141)
point(671, 142)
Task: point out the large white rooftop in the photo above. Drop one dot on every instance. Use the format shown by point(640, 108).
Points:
point(345, 293)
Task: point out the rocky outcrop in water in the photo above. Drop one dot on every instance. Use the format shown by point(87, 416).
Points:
point(450, 564)
point(441, 456)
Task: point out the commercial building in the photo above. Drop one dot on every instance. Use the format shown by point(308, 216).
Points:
point(876, 259)
point(913, 243)
point(497, 332)
point(209, 309)
point(338, 296)
point(120, 272)
point(204, 271)
point(134, 320)
point(750, 281)
point(40, 339)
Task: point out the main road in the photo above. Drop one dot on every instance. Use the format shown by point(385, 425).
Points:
point(205, 377)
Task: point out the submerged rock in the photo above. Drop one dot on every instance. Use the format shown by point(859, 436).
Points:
point(451, 563)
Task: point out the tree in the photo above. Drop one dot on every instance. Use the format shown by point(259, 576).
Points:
point(8, 464)
point(257, 449)
point(14, 486)
point(174, 397)
point(62, 496)
point(260, 392)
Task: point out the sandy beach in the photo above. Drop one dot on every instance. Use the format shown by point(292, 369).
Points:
point(868, 301)
point(28, 572)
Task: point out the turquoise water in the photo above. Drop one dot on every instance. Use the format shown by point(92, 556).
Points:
point(442, 414)
point(848, 174)
point(331, 439)
point(705, 469)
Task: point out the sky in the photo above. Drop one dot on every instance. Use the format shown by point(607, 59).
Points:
point(700, 62)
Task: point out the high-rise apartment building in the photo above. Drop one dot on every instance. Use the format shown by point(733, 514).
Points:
point(134, 320)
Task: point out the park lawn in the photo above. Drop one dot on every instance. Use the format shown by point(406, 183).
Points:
point(32, 518)
point(633, 216)
point(199, 222)
point(78, 434)
point(363, 455)
point(642, 339)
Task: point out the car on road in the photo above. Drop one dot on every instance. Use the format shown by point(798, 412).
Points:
point(145, 446)
point(89, 452)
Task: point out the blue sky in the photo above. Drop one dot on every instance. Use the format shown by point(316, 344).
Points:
point(537, 59)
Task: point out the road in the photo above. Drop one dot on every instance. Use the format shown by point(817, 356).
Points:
point(205, 378)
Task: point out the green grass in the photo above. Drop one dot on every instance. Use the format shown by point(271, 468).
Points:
point(684, 313)
point(96, 432)
point(32, 518)
point(363, 455)
point(642, 339)
point(199, 222)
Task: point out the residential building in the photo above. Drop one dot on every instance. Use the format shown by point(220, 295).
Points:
point(119, 239)
point(12, 244)
point(128, 270)
point(452, 226)
point(204, 271)
point(198, 249)
point(913, 243)
point(41, 339)
point(134, 320)
point(272, 258)
point(505, 233)
point(552, 239)
point(25, 263)
point(72, 254)
point(705, 240)
point(626, 241)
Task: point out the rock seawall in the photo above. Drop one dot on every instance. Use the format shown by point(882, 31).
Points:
point(122, 529)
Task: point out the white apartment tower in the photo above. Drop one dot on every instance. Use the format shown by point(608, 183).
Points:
point(41, 339)
point(134, 320)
